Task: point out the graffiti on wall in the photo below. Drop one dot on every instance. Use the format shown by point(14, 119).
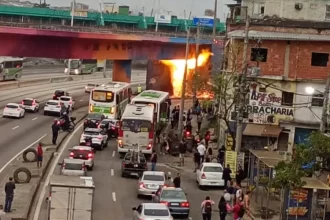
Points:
point(265, 104)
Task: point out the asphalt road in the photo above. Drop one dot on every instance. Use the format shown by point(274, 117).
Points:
point(17, 134)
point(115, 195)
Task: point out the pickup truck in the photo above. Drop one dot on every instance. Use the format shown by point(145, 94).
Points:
point(71, 197)
point(134, 164)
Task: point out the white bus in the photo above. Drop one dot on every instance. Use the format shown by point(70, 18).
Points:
point(80, 66)
point(137, 129)
point(110, 99)
point(161, 101)
point(11, 68)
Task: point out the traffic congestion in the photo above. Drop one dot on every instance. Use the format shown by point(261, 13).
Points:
point(120, 132)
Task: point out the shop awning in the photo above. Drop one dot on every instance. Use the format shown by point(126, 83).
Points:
point(271, 131)
point(262, 130)
point(253, 130)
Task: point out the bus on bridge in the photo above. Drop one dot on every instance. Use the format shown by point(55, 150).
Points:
point(11, 68)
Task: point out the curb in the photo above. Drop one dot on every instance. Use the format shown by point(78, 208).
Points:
point(44, 172)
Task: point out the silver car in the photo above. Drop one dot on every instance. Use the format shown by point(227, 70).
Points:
point(151, 211)
point(150, 182)
point(89, 87)
point(73, 167)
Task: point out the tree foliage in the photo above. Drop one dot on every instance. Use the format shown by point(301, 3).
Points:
point(307, 160)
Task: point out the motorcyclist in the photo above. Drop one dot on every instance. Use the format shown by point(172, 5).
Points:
point(66, 118)
point(188, 126)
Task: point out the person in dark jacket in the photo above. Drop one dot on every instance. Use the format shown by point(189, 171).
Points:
point(9, 190)
point(221, 154)
point(239, 175)
point(226, 175)
point(197, 159)
point(182, 150)
point(55, 130)
point(177, 181)
point(222, 208)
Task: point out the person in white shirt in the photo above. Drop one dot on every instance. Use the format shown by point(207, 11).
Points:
point(2, 213)
point(201, 150)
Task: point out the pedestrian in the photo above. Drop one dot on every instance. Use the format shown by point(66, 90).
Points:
point(154, 158)
point(197, 160)
point(207, 137)
point(177, 181)
point(2, 212)
point(199, 121)
point(247, 203)
point(226, 175)
point(207, 208)
point(209, 154)
point(222, 206)
point(55, 130)
point(163, 143)
point(221, 154)
point(231, 189)
point(239, 175)
point(238, 210)
point(201, 150)
point(39, 155)
point(182, 151)
point(239, 192)
point(9, 190)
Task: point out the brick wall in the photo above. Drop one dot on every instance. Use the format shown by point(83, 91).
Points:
point(299, 58)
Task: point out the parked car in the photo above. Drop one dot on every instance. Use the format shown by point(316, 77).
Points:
point(210, 175)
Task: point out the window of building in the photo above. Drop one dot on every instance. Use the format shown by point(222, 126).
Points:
point(262, 10)
point(317, 100)
point(259, 54)
point(320, 59)
point(287, 98)
point(327, 12)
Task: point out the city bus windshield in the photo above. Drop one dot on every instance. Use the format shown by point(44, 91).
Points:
point(136, 125)
point(102, 96)
point(74, 64)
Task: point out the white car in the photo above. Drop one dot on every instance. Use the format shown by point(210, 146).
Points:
point(13, 110)
point(52, 106)
point(30, 104)
point(210, 174)
point(73, 167)
point(152, 211)
point(68, 101)
point(83, 153)
point(95, 138)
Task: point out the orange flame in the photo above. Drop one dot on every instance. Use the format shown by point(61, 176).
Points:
point(177, 69)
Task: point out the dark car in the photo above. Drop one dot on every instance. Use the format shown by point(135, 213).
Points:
point(93, 120)
point(111, 126)
point(134, 164)
point(59, 93)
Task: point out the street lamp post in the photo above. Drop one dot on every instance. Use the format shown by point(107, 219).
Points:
point(72, 18)
point(183, 90)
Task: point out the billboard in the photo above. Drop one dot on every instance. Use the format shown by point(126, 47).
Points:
point(161, 18)
point(205, 22)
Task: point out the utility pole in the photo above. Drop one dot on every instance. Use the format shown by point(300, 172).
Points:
point(215, 18)
point(72, 18)
point(196, 63)
point(324, 121)
point(183, 90)
point(242, 88)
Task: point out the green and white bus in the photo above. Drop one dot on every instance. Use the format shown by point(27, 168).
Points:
point(110, 99)
point(159, 99)
point(80, 66)
point(11, 68)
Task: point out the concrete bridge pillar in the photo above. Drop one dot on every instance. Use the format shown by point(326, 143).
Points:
point(122, 70)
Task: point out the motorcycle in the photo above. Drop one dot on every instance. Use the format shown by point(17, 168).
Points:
point(61, 123)
point(188, 138)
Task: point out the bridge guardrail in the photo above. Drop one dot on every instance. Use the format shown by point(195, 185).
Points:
point(104, 30)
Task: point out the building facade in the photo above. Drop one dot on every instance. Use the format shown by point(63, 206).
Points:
point(285, 57)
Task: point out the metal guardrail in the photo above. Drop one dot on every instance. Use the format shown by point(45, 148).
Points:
point(103, 30)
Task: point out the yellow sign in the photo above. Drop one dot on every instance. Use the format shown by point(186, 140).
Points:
point(80, 14)
point(231, 160)
point(229, 142)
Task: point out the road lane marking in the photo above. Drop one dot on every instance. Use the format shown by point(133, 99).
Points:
point(51, 171)
point(12, 159)
point(15, 127)
point(114, 196)
point(112, 172)
point(34, 118)
point(113, 153)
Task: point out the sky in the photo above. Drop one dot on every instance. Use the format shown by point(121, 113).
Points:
point(176, 7)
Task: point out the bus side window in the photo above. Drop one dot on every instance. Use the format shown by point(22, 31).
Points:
point(8, 65)
point(163, 110)
point(129, 94)
point(118, 99)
